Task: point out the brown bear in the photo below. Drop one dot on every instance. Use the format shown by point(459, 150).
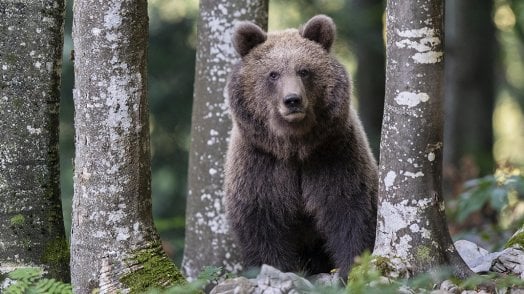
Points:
point(300, 178)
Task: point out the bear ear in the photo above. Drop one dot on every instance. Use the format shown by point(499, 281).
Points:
point(320, 29)
point(246, 36)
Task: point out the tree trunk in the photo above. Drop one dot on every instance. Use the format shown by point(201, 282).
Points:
point(470, 57)
point(366, 24)
point(31, 222)
point(411, 228)
point(114, 244)
point(208, 240)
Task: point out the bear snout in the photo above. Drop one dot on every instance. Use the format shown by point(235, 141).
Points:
point(293, 107)
point(293, 102)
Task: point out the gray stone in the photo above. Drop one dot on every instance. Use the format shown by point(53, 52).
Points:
point(449, 287)
point(325, 280)
point(272, 281)
point(269, 281)
point(478, 259)
point(239, 285)
point(511, 260)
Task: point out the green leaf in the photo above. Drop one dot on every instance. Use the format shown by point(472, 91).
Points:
point(26, 274)
point(17, 288)
point(499, 198)
point(210, 273)
point(471, 202)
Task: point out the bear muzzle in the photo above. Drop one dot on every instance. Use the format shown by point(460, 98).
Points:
point(293, 108)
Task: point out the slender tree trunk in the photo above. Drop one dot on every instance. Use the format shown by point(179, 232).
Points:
point(411, 228)
point(366, 23)
point(470, 57)
point(114, 244)
point(208, 240)
point(31, 222)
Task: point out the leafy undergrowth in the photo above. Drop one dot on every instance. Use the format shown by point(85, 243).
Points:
point(30, 280)
point(210, 275)
point(366, 277)
point(502, 191)
point(494, 202)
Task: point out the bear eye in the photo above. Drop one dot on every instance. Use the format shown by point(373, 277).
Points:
point(274, 75)
point(303, 73)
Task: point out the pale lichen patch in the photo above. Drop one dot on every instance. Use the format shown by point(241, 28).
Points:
point(413, 175)
point(122, 233)
point(95, 31)
point(113, 19)
point(416, 33)
point(395, 219)
point(411, 99)
point(34, 131)
point(425, 44)
point(115, 217)
point(389, 180)
point(428, 57)
point(424, 41)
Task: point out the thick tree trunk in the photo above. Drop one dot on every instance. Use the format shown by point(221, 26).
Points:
point(31, 223)
point(470, 56)
point(411, 228)
point(208, 240)
point(366, 23)
point(113, 237)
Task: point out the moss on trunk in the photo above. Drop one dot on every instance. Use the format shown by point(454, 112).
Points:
point(153, 270)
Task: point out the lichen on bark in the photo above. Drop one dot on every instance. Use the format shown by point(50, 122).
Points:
point(30, 66)
point(208, 241)
point(411, 228)
point(112, 216)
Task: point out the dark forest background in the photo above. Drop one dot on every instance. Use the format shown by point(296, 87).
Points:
point(484, 96)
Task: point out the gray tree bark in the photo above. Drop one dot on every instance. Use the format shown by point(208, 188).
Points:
point(208, 240)
point(411, 229)
point(31, 222)
point(113, 237)
point(470, 81)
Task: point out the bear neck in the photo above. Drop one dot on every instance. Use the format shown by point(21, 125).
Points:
point(292, 147)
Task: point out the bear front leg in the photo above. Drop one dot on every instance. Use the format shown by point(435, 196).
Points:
point(343, 206)
point(264, 239)
point(262, 200)
point(349, 232)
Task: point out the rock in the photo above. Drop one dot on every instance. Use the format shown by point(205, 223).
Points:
point(239, 285)
point(325, 280)
point(484, 264)
point(269, 281)
point(478, 259)
point(469, 251)
point(511, 260)
point(449, 287)
point(272, 281)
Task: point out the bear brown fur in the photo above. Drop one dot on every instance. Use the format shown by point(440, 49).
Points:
point(300, 179)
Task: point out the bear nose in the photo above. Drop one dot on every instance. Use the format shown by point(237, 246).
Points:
point(292, 100)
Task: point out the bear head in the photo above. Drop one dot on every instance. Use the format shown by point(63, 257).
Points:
point(287, 84)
